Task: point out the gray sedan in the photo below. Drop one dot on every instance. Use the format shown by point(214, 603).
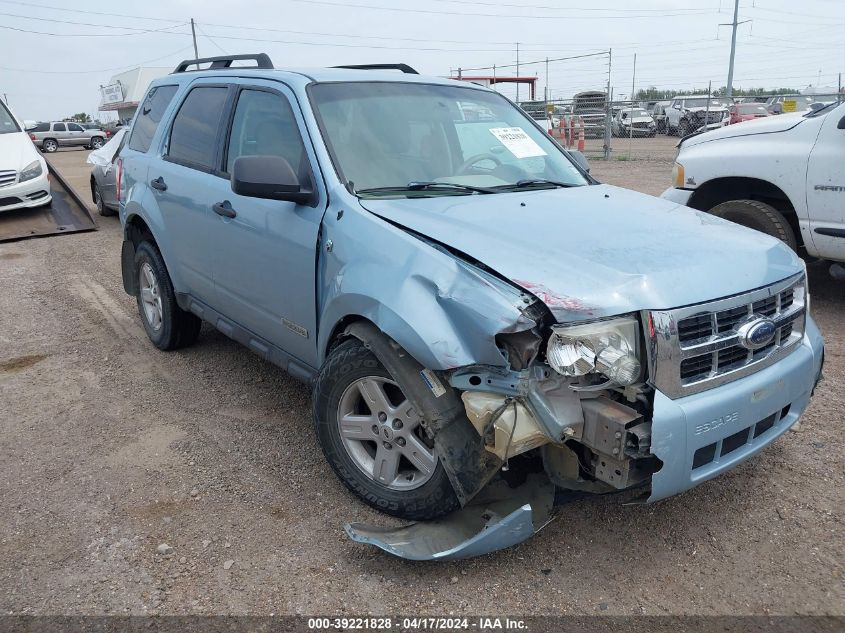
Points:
point(104, 174)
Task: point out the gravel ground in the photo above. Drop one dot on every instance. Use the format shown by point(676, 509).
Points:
point(111, 449)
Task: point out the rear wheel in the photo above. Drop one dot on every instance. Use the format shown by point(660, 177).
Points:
point(167, 325)
point(102, 209)
point(97, 142)
point(50, 145)
point(683, 128)
point(758, 216)
point(374, 439)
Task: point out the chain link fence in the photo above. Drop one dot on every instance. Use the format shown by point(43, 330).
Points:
point(610, 129)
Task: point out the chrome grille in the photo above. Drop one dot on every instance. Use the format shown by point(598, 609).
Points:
point(698, 347)
point(8, 177)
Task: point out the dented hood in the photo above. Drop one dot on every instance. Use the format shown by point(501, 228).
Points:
point(595, 251)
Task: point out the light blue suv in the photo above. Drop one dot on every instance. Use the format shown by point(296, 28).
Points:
point(459, 291)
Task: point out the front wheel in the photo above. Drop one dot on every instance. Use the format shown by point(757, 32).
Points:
point(374, 439)
point(759, 216)
point(167, 325)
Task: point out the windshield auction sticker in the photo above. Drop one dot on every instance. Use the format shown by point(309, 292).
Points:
point(517, 142)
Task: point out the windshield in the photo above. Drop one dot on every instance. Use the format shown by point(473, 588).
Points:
point(751, 108)
point(8, 125)
point(702, 103)
point(388, 135)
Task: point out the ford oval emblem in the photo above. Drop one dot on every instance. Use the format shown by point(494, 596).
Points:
point(757, 333)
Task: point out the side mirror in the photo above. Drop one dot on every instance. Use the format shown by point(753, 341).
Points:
point(269, 177)
point(580, 160)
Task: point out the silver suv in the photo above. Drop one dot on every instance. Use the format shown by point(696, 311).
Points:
point(48, 137)
point(460, 294)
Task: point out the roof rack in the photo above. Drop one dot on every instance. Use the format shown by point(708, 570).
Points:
point(402, 67)
point(262, 60)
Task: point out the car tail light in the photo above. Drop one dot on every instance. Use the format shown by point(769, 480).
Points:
point(32, 136)
point(119, 177)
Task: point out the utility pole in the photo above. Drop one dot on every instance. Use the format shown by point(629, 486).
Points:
point(547, 80)
point(517, 72)
point(631, 125)
point(734, 24)
point(194, 35)
point(608, 106)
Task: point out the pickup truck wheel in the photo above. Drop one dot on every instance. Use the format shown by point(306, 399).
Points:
point(759, 216)
point(683, 129)
point(167, 325)
point(50, 145)
point(97, 142)
point(374, 439)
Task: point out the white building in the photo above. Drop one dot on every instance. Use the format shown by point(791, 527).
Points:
point(125, 91)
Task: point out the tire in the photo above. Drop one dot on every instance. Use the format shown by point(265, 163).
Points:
point(683, 129)
point(759, 216)
point(102, 209)
point(375, 438)
point(173, 328)
point(50, 145)
point(96, 142)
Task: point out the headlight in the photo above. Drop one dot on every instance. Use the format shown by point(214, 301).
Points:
point(610, 348)
point(678, 176)
point(802, 292)
point(33, 170)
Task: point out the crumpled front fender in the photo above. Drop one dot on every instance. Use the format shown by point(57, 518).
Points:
point(444, 311)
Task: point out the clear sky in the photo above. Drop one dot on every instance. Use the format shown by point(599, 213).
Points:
point(54, 55)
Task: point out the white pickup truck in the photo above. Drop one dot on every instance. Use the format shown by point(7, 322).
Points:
point(782, 175)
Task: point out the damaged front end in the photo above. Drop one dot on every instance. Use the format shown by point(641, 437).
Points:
point(567, 408)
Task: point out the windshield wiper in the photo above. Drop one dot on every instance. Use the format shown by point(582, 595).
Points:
point(424, 185)
point(529, 182)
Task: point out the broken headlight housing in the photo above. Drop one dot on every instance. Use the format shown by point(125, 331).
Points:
point(609, 348)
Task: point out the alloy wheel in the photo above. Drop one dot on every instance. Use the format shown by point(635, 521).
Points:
point(383, 434)
point(150, 296)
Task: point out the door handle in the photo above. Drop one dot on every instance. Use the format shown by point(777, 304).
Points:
point(225, 209)
point(158, 184)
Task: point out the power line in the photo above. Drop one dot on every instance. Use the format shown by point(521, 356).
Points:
point(505, 15)
point(206, 36)
point(100, 70)
point(558, 8)
point(126, 28)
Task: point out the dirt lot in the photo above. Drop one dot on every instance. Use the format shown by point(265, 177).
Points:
point(110, 448)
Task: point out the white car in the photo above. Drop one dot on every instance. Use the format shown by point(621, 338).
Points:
point(782, 175)
point(689, 113)
point(633, 121)
point(23, 171)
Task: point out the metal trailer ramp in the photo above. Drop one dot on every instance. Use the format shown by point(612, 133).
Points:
point(67, 213)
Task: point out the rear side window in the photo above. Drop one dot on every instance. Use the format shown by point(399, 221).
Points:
point(59, 127)
point(193, 138)
point(149, 116)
